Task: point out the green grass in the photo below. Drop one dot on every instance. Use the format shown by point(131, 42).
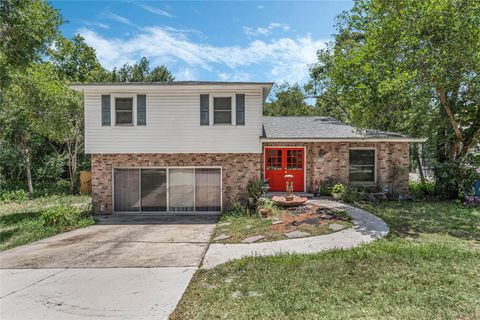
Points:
point(239, 227)
point(22, 223)
point(430, 272)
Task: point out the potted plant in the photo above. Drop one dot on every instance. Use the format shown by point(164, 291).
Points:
point(337, 191)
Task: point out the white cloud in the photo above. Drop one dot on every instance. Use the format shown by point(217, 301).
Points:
point(120, 19)
point(97, 24)
point(155, 10)
point(265, 31)
point(260, 7)
point(185, 74)
point(285, 59)
point(235, 76)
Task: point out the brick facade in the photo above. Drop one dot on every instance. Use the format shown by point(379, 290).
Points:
point(237, 171)
point(325, 159)
point(330, 160)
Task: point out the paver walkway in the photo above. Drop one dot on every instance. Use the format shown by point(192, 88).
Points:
point(366, 228)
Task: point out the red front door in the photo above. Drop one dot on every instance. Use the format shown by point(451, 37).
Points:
point(282, 161)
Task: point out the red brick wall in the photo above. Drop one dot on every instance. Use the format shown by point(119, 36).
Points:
point(333, 163)
point(238, 170)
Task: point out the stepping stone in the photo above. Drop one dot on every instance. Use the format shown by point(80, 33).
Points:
point(253, 239)
point(296, 234)
point(336, 226)
point(221, 237)
point(274, 222)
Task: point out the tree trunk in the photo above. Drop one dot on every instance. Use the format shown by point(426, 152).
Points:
point(416, 154)
point(28, 166)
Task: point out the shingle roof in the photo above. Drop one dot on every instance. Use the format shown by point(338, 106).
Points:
point(172, 83)
point(318, 128)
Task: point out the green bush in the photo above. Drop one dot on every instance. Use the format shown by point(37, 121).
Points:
point(238, 209)
point(338, 188)
point(63, 216)
point(269, 205)
point(351, 195)
point(325, 188)
point(254, 188)
point(14, 195)
point(420, 189)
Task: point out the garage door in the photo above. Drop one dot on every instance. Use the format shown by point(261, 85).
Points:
point(167, 189)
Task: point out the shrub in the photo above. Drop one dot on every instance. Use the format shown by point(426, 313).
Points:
point(254, 188)
point(351, 195)
point(421, 189)
point(14, 195)
point(63, 216)
point(268, 205)
point(338, 188)
point(325, 188)
point(238, 209)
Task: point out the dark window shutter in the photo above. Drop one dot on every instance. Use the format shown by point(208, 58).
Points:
point(204, 110)
point(141, 110)
point(106, 110)
point(240, 106)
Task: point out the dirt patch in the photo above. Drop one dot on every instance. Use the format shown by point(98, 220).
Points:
point(306, 217)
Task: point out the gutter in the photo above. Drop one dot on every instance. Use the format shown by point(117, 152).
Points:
point(410, 140)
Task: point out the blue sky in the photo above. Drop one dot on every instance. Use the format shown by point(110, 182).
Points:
point(225, 41)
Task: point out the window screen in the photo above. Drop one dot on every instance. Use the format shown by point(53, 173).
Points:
point(124, 111)
point(362, 165)
point(181, 189)
point(222, 110)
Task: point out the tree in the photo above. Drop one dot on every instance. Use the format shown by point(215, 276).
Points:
point(75, 61)
point(409, 66)
point(140, 72)
point(27, 28)
point(289, 100)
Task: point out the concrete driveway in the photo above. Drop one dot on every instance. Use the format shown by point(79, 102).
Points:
point(125, 267)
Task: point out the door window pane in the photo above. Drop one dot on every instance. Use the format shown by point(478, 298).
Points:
point(181, 189)
point(126, 189)
point(207, 189)
point(362, 165)
point(154, 189)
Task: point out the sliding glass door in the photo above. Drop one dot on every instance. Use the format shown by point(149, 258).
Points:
point(207, 189)
point(181, 190)
point(126, 190)
point(167, 189)
point(154, 189)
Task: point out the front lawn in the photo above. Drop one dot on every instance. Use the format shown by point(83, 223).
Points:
point(22, 223)
point(426, 269)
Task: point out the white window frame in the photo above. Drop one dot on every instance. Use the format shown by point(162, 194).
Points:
point(168, 212)
point(113, 109)
point(212, 108)
point(374, 162)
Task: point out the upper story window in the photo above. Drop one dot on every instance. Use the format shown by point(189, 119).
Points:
point(124, 111)
point(222, 110)
point(362, 165)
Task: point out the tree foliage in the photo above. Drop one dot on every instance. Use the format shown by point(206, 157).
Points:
point(27, 28)
point(288, 100)
point(140, 72)
point(410, 66)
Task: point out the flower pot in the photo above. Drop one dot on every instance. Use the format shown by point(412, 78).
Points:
point(337, 196)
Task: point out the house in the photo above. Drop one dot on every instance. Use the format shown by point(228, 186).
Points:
point(192, 146)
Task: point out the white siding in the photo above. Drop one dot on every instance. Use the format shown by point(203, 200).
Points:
point(173, 123)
